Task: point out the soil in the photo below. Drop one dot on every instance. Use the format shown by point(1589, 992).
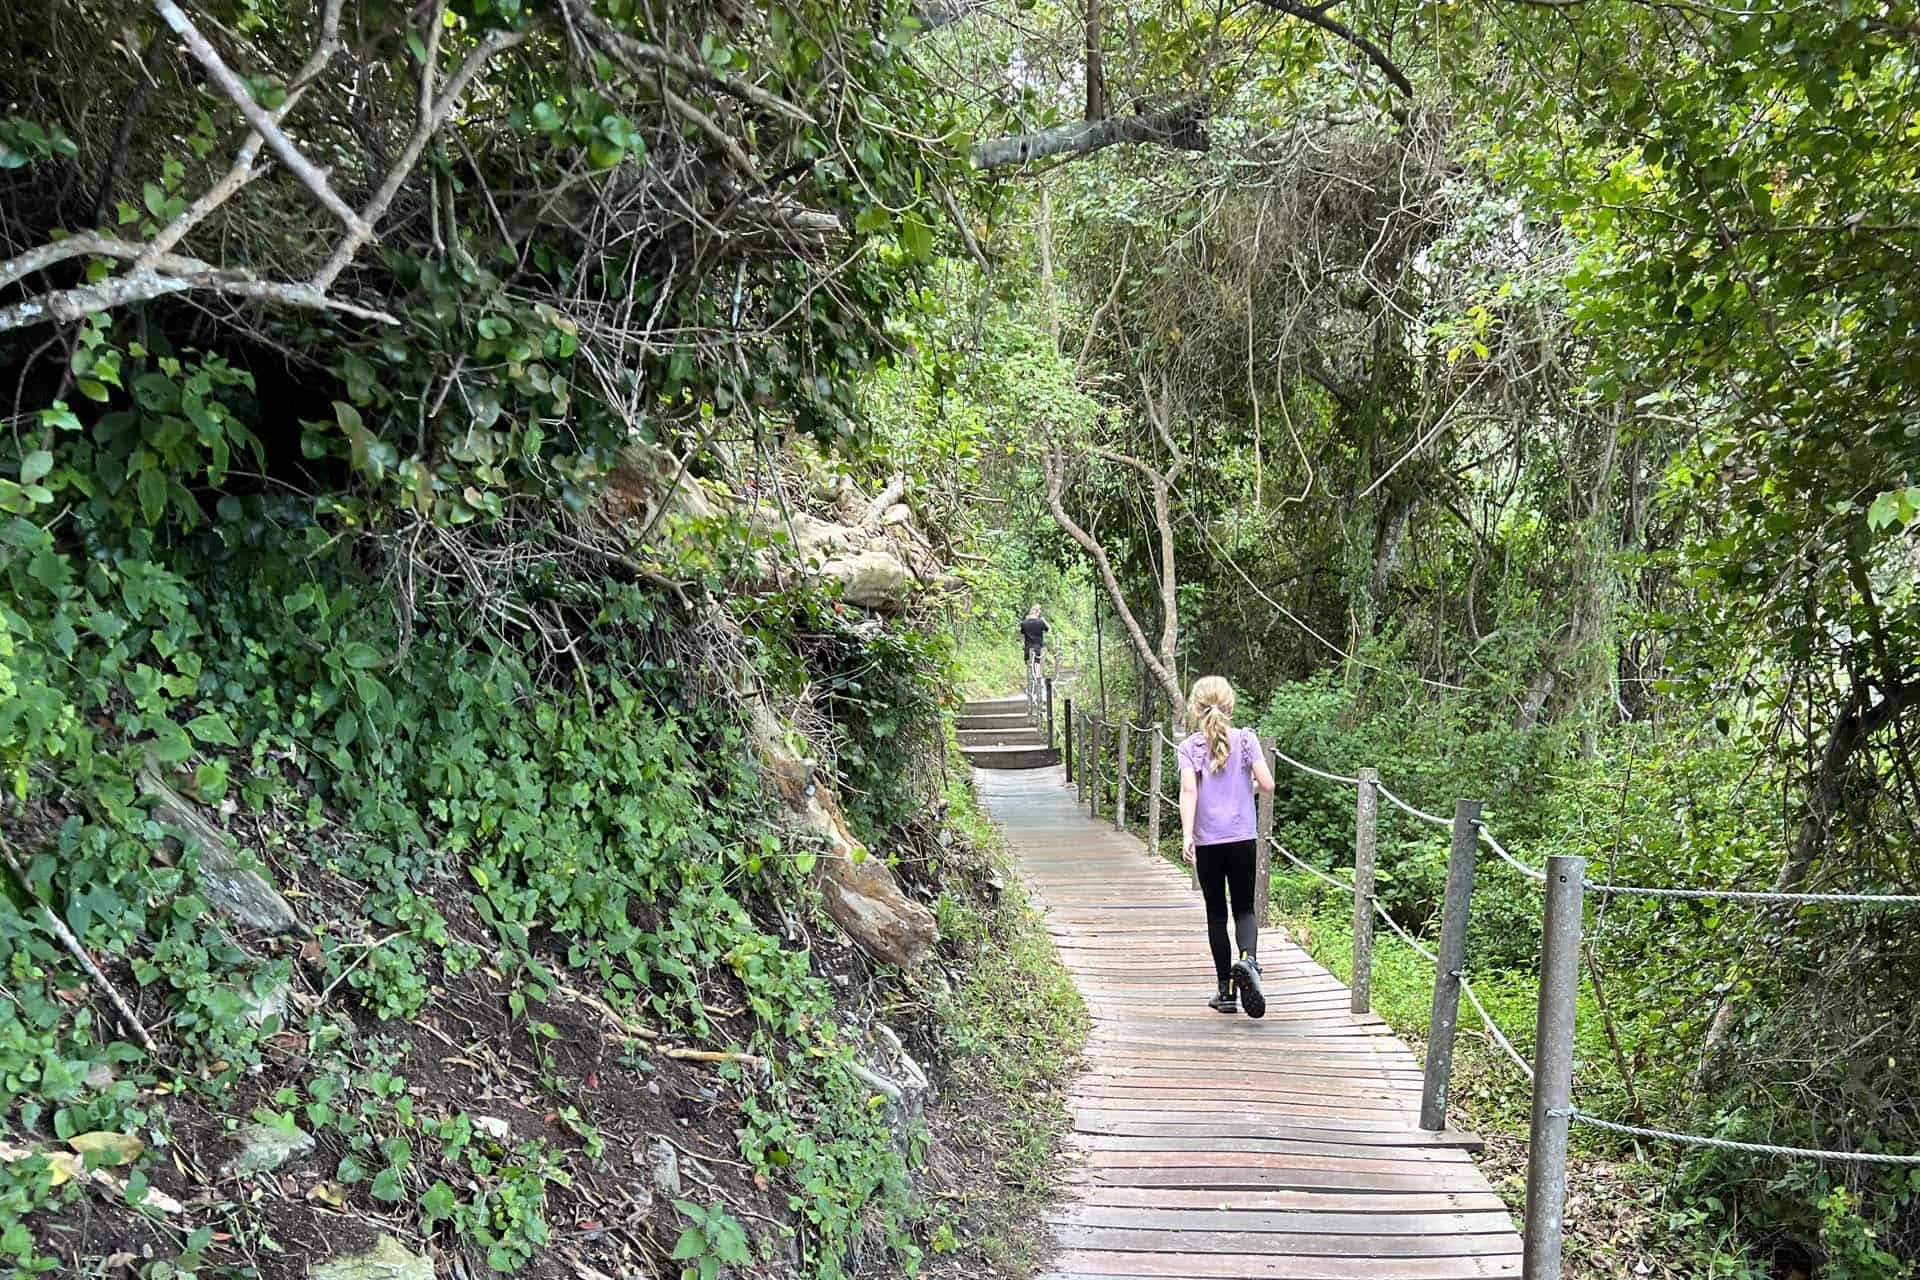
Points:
point(466, 1052)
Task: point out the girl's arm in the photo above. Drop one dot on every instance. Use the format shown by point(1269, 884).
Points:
point(1189, 800)
point(1262, 775)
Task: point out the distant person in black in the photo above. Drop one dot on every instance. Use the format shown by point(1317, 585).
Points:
point(1033, 630)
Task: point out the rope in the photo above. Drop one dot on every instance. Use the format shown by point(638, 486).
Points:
point(1493, 1029)
point(1726, 1144)
point(1646, 891)
point(1508, 858)
point(1310, 869)
point(1473, 998)
point(1422, 814)
point(1758, 895)
point(1307, 768)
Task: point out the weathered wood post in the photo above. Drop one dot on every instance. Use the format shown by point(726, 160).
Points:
point(1094, 779)
point(1086, 739)
point(1153, 792)
point(1049, 712)
point(1089, 759)
point(1120, 774)
point(1263, 839)
point(1066, 739)
point(1365, 832)
point(1451, 966)
point(1553, 1069)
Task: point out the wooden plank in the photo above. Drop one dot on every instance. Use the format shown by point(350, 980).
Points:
point(1255, 1244)
point(1084, 1264)
point(1279, 1201)
point(1344, 1225)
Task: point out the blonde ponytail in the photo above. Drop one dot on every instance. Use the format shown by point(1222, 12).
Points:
point(1212, 709)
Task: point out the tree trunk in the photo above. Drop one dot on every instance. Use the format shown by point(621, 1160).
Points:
point(1096, 74)
point(1183, 128)
point(1388, 543)
point(1160, 661)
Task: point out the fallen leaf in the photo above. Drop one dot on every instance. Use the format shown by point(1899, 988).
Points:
point(107, 1147)
point(328, 1193)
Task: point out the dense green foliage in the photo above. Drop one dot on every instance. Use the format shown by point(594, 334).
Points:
point(347, 566)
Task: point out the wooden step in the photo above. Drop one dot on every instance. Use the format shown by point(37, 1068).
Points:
point(995, 722)
point(995, 707)
point(1038, 757)
point(1003, 737)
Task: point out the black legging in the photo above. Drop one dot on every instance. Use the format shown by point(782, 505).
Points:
point(1220, 866)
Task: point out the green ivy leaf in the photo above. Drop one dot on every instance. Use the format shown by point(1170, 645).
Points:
point(152, 488)
point(439, 1202)
point(360, 655)
point(214, 729)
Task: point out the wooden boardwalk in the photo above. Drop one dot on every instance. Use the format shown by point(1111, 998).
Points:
point(1214, 1146)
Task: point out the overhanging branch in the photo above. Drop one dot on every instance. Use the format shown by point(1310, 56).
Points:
point(1318, 16)
point(1182, 128)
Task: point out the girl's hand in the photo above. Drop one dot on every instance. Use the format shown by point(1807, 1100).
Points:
point(1187, 852)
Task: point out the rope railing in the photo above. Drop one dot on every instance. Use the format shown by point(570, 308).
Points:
point(1486, 838)
point(1729, 1144)
point(1620, 890)
point(1757, 895)
point(1466, 986)
point(1387, 794)
point(1307, 768)
point(1560, 1069)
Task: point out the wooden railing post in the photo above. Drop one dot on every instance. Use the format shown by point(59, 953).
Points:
point(1087, 748)
point(1066, 716)
point(1553, 1070)
point(1094, 782)
point(1263, 840)
point(1153, 793)
point(1120, 783)
point(1365, 832)
point(1049, 712)
point(1080, 761)
point(1451, 966)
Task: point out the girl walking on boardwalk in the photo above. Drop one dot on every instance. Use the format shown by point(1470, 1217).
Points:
point(1220, 766)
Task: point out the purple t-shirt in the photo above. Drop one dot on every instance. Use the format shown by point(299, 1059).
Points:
point(1223, 810)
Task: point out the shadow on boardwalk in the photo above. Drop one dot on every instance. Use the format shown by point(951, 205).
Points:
point(1214, 1146)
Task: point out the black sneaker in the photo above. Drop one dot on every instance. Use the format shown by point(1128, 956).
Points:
point(1224, 1001)
point(1246, 976)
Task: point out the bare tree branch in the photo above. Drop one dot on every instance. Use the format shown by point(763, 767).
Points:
point(1181, 127)
point(431, 118)
point(1317, 15)
point(629, 51)
point(1160, 664)
point(176, 274)
point(263, 122)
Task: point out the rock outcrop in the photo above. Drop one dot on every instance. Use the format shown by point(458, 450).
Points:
point(862, 895)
